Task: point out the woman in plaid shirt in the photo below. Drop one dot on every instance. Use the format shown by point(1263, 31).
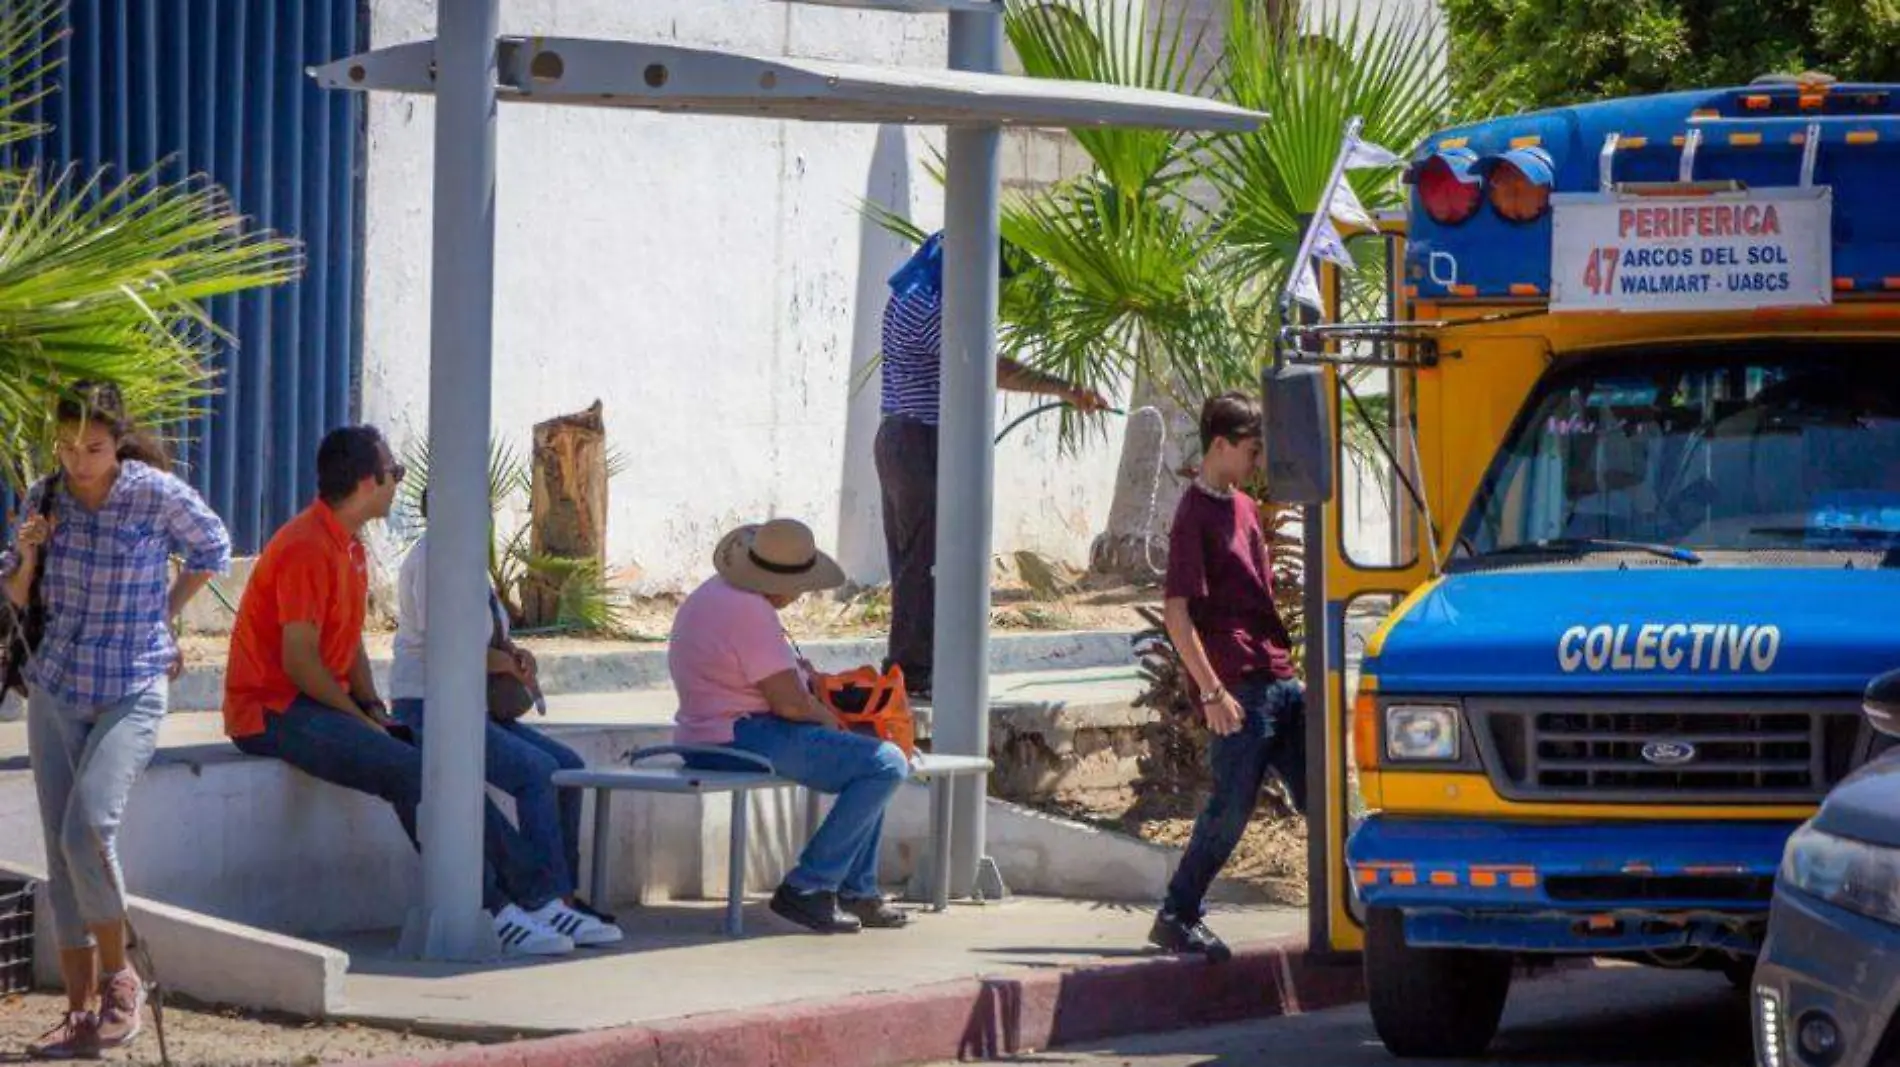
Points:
point(99, 681)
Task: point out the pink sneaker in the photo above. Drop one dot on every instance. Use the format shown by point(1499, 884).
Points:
point(121, 1008)
point(75, 1038)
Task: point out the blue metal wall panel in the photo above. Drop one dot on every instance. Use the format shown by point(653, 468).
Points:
point(217, 88)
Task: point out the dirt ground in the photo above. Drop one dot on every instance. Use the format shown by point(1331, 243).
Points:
point(213, 1038)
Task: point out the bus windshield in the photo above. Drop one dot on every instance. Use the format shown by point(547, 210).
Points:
point(1749, 448)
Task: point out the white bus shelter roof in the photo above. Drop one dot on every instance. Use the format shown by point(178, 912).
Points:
point(915, 7)
point(580, 72)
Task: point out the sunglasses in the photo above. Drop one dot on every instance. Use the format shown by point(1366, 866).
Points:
point(395, 471)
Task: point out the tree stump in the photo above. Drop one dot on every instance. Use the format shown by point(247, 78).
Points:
point(568, 504)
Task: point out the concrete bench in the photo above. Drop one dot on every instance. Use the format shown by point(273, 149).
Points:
point(938, 770)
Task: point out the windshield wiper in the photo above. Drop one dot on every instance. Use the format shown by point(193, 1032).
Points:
point(1581, 545)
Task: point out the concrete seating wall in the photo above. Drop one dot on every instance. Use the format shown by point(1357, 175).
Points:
point(252, 841)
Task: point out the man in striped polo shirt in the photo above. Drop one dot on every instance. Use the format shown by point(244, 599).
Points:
point(906, 448)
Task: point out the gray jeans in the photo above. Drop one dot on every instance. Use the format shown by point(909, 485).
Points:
point(85, 760)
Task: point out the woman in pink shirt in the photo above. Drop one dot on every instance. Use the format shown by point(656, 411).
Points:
point(742, 687)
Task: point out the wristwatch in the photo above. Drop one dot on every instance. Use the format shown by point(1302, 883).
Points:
point(1213, 695)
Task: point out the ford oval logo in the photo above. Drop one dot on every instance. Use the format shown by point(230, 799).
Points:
point(1669, 753)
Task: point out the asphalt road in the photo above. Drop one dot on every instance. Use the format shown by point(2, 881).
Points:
point(1610, 1016)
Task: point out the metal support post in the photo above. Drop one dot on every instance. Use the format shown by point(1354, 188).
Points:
point(598, 884)
point(736, 847)
point(451, 924)
point(966, 464)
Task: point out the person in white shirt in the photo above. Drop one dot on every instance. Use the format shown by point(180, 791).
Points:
point(521, 760)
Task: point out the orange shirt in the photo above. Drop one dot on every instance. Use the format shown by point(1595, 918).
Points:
point(312, 571)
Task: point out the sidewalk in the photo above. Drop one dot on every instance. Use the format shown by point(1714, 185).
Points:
point(675, 964)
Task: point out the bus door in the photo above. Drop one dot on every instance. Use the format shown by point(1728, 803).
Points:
point(1365, 548)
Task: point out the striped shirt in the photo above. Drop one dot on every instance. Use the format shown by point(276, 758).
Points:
point(913, 353)
point(107, 583)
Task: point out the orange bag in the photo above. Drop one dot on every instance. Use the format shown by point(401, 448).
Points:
point(871, 704)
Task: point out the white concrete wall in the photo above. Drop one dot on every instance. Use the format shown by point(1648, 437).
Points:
point(710, 280)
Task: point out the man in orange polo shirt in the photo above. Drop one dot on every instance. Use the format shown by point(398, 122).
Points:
point(299, 688)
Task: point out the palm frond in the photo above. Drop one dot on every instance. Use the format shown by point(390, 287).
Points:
point(586, 601)
point(30, 33)
point(108, 282)
point(508, 477)
point(1312, 72)
point(1114, 42)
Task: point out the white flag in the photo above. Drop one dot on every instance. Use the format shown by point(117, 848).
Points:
point(1363, 155)
point(1346, 208)
point(1328, 245)
point(1306, 287)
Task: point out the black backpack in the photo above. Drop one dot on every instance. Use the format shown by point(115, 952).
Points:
point(26, 627)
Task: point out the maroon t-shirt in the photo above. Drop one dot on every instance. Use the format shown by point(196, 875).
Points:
point(1219, 561)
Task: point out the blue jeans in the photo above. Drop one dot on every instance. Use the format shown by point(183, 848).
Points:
point(521, 762)
point(85, 761)
point(864, 773)
point(342, 749)
point(1272, 735)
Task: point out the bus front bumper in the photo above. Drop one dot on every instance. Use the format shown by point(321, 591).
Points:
point(1597, 888)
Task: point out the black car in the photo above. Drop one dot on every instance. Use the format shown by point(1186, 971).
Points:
point(1827, 987)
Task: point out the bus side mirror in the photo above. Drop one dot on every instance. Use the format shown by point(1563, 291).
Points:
point(1298, 437)
point(1881, 703)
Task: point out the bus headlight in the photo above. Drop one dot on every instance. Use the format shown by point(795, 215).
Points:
point(1417, 733)
point(1864, 879)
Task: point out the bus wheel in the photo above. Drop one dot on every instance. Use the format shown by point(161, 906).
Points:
point(1431, 1002)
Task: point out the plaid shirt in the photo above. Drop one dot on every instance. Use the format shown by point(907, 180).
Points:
point(107, 583)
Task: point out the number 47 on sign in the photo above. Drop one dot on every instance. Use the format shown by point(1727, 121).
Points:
point(1600, 275)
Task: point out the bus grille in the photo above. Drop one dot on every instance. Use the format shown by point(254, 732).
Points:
point(1670, 751)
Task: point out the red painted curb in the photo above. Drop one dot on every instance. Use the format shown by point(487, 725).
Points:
point(970, 1019)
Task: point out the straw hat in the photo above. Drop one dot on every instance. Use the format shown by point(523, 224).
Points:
point(776, 558)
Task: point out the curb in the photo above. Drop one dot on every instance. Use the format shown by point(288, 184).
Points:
point(201, 688)
point(973, 1019)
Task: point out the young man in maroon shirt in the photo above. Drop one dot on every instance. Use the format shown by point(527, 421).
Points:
point(1221, 616)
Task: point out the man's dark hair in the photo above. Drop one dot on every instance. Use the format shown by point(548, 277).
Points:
point(1235, 416)
point(347, 455)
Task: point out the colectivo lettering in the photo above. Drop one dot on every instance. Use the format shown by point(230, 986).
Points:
point(1678, 646)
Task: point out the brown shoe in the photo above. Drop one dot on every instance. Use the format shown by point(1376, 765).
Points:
point(75, 1038)
point(121, 1008)
point(874, 912)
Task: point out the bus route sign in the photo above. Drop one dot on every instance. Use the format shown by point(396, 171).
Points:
point(1753, 249)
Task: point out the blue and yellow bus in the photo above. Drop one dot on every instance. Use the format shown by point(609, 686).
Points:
point(1642, 370)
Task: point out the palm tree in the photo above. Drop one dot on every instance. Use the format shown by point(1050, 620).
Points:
point(102, 278)
point(1162, 265)
point(1157, 270)
point(586, 599)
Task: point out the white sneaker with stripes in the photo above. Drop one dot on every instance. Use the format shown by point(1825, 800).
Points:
point(523, 935)
point(583, 928)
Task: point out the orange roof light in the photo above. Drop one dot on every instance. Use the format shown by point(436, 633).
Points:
point(1518, 183)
